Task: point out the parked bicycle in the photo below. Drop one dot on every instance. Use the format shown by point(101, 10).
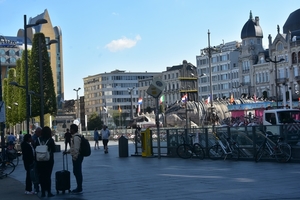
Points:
point(280, 150)
point(6, 166)
point(220, 150)
point(186, 150)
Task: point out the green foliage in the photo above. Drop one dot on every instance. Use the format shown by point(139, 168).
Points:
point(94, 121)
point(10, 97)
point(39, 47)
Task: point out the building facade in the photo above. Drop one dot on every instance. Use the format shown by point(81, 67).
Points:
point(108, 94)
point(224, 71)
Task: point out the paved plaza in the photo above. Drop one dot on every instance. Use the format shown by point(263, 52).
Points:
point(109, 177)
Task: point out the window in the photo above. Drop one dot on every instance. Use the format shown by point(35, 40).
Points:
point(279, 46)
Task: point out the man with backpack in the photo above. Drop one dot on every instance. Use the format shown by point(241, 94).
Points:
point(77, 157)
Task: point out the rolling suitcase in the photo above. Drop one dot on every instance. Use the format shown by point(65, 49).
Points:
point(62, 178)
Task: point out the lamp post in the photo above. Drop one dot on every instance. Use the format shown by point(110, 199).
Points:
point(209, 51)
point(276, 89)
point(131, 103)
point(78, 110)
point(42, 80)
point(38, 22)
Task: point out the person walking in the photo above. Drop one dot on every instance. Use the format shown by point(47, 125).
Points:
point(105, 133)
point(45, 167)
point(77, 158)
point(67, 137)
point(96, 138)
point(28, 155)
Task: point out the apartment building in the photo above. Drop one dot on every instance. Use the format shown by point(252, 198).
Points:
point(224, 71)
point(109, 93)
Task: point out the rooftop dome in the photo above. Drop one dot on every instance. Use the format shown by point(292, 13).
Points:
point(252, 28)
point(293, 22)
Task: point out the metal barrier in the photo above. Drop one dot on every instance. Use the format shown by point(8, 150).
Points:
point(249, 139)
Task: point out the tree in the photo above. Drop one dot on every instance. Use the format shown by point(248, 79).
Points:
point(47, 77)
point(10, 98)
point(94, 121)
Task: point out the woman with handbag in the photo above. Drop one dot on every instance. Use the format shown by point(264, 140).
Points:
point(45, 167)
point(28, 160)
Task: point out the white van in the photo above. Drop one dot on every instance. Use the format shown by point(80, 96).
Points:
point(283, 120)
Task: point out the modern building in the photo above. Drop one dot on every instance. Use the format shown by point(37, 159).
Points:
point(11, 49)
point(108, 94)
point(224, 71)
point(55, 51)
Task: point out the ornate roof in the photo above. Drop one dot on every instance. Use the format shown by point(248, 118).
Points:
point(293, 22)
point(252, 28)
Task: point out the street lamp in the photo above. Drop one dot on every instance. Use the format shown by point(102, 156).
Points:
point(209, 51)
point(38, 22)
point(131, 110)
point(42, 80)
point(78, 110)
point(275, 62)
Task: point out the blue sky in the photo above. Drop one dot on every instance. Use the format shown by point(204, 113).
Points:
point(140, 35)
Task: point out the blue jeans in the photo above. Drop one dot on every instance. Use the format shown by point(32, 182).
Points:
point(77, 170)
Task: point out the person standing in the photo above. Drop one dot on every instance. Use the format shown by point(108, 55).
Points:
point(67, 137)
point(37, 133)
point(77, 158)
point(105, 133)
point(96, 138)
point(21, 137)
point(45, 167)
point(28, 155)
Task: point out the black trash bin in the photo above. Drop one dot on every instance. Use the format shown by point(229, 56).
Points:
point(123, 146)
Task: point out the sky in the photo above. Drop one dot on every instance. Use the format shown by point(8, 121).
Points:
point(141, 35)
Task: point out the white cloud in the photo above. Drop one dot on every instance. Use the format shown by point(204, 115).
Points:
point(123, 43)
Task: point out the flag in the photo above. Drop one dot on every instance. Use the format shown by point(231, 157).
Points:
point(105, 109)
point(231, 98)
point(140, 101)
point(120, 110)
point(139, 108)
point(184, 98)
point(207, 100)
point(254, 97)
point(162, 99)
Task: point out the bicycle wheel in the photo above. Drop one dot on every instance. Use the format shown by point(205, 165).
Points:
point(215, 152)
point(283, 153)
point(199, 151)
point(260, 153)
point(7, 167)
point(235, 152)
point(184, 151)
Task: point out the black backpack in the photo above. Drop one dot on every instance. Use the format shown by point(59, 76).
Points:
point(85, 147)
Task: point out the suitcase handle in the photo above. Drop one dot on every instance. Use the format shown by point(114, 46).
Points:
point(65, 155)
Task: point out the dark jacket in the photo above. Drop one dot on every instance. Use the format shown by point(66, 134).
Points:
point(27, 154)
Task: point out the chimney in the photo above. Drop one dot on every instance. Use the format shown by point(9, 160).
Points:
point(257, 21)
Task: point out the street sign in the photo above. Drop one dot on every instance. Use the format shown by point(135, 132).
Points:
point(156, 87)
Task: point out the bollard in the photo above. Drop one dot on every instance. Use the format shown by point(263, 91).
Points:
point(123, 146)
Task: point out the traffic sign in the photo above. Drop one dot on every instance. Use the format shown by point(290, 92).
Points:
point(156, 87)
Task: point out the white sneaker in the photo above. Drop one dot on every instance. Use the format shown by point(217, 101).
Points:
point(29, 192)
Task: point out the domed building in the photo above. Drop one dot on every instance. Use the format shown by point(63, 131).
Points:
point(251, 47)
